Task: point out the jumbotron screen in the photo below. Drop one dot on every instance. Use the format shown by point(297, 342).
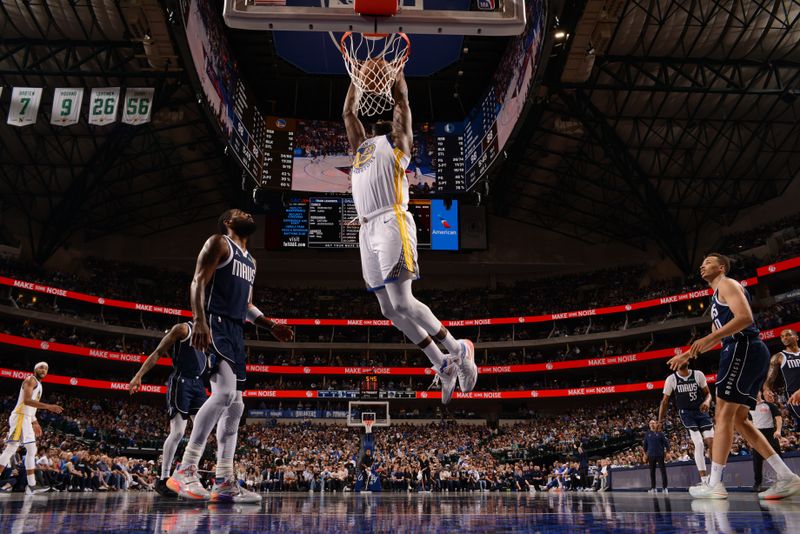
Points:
point(313, 156)
point(331, 222)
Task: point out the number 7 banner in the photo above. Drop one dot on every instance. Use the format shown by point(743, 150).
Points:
point(66, 106)
point(24, 105)
point(103, 105)
point(138, 105)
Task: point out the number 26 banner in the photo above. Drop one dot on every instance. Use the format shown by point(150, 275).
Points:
point(24, 105)
point(66, 106)
point(103, 105)
point(138, 105)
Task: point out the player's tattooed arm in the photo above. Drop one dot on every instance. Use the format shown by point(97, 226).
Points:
point(178, 331)
point(27, 397)
point(401, 119)
point(352, 124)
point(772, 375)
point(662, 411)
point(214, 251)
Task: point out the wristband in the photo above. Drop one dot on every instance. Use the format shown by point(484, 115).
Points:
point(253, 314)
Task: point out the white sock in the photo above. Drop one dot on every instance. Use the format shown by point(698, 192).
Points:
point(225, 469)
point(716, 474)
point(780, 467)
point(191, 456)
point(450, 343)
point(434, 354)
point(31, 480)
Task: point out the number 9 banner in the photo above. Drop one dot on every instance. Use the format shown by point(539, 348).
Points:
point(138, 105)
point(66, 106)
point(103, 105)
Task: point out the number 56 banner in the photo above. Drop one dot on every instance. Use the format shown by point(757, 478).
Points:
point(103, 105)
point(138, 105)
point(66, 106)
point(24, 105)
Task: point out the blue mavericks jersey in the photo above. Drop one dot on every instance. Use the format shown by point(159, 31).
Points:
point(186, 360)
point(230, 289)
point(688, 395)
point(791, 371)
point(721, 315)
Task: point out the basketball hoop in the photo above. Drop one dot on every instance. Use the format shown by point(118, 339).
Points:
point(368, 426)
point(373, 61)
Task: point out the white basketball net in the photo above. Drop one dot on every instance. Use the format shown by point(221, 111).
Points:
point(373, 80)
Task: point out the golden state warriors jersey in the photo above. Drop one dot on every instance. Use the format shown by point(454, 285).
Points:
point(22, 408)
point(378, 176)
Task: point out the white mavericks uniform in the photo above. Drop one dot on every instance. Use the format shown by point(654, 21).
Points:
point(388, 235)
point(20, 424)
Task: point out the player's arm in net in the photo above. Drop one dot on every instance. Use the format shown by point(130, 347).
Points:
point(255, 316)
point(178, 331)
point(352, 124)
point(402, 133)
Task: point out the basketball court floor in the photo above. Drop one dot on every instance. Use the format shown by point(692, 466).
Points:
point(399, 513)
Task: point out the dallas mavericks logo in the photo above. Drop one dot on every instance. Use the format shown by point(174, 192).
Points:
point(244, 271)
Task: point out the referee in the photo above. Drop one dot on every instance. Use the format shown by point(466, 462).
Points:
point(767, 419)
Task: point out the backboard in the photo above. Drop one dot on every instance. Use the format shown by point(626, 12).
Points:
point(438, 17)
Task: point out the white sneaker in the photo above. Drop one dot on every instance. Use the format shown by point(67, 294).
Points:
point(704, 491)
point(447, 376)
point(35, 490)
point(665, 490)
point(467, 370)
point(231, 491)
point(185, 483)
point(782, 489)
point(652, 490)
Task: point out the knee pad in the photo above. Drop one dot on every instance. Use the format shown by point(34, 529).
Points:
point(30, 455)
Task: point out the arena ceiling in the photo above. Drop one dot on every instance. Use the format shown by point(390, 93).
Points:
point(654, 118)
point(664, 116)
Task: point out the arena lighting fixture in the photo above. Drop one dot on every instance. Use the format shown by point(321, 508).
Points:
point(560, 34)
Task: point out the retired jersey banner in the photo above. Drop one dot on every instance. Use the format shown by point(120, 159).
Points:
point(66, 106)
point(103, 105)
point(24, 105)
point(138, 105)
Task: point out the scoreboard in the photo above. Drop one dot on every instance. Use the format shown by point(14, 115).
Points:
point(278, 150)
point(332, 222)
point(449, 157)
point(481, 145)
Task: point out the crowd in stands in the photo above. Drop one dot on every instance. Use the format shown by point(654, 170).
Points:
point(788, 228)
point(91, 447)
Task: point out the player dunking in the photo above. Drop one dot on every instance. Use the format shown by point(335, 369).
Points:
point(693, 399)
point(743, 364)
point(787, 363)
point(221, 294)
point(186, 390)
point(388, 237)
point(23, 428)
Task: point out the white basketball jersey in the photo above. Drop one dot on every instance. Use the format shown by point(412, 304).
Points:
point(379, 176)
point(24, 409)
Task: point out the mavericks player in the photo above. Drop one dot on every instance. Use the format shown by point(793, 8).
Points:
point(221, 295)
point(186, 391)
point(693, 399)
point(23, 428)
point(787, 363)
point(388, 236)
point(743, 364)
